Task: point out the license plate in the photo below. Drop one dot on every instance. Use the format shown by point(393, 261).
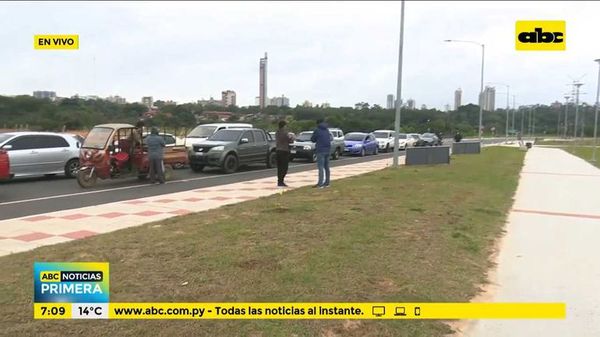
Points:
point(292, 151)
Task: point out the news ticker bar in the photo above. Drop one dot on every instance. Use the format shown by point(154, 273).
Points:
point(300, 310)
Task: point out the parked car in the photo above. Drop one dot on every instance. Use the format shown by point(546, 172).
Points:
point(233, 147)
point(337, 145)
point(303, 147)
point(429, 139)
point(41, 153)
point(4, 165)
point(413, 139)
point(360, 143)
point(386, 139)
point(170, 141)
point(202, 132)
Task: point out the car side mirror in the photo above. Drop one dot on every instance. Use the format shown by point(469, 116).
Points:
point(244, 141)
point(7, 147)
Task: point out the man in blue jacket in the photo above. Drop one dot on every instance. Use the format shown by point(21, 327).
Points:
point(323, 138)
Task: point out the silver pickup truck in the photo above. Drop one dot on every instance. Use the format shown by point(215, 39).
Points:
point(303, 147)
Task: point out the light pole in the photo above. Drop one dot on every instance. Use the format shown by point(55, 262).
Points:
point(596, 113)
point(566, 116)
point(481, 83)
point(507, 104)
point(398, 90)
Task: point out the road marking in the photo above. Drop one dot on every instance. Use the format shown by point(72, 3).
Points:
point(572, 215)
point(148, 185)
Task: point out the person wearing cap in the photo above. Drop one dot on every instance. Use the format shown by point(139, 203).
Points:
point(156, 145)
point(283, 141)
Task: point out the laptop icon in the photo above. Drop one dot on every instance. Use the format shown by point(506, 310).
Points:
point(400, 311)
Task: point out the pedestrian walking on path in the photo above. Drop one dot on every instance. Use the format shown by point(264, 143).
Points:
point(283, 141)
point(156, 145)
point(322, 137)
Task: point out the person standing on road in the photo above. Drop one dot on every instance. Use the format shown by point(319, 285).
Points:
point(322, 137)
point(156, 145)
point(283, 141)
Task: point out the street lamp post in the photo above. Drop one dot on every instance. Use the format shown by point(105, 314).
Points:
point(398, 90)
point(481, 83)
point(596, 112)
point(566, 116)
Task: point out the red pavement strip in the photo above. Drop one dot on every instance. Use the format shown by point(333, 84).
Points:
point(572, 215)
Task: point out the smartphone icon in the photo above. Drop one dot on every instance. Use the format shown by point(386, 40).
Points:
point(417, 311)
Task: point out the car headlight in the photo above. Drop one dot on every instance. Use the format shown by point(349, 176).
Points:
point(218, 148)
point(357, 145)
point(306, 147)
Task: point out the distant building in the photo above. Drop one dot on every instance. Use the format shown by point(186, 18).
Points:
point(148, 101)
point(457, 98)
point(410, 104)
point(423, 107)
point(210, 101)
point(116, 99)
point(390, 102)
point(446, 107)
point(488, 99)
point(556, 105)
point(228, 97)
point(307, 104)
point(325, 105)
point(51, 95)
point(262, 84)
point(280, 101)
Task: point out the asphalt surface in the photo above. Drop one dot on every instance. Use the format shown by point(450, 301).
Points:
point(23, 197)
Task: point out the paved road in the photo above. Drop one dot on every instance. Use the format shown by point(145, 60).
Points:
point(40, 195)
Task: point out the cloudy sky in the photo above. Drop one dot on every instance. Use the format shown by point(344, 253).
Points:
point(336, 52)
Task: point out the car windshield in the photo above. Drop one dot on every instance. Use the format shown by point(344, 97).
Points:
point(226, 135)
point(355, 136)
point(428, 135)
point(4, 137)
point(381, 134)
point(402, 136)
point(202, 131)
point(97, 138)
point(304, 137)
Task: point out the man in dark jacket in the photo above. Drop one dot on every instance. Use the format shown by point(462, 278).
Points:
point(156, 145)
point(283, 140)
point(322, 137)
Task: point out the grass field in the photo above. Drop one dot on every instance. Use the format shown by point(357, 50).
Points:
point(415, 234)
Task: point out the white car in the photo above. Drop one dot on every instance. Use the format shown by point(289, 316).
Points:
point(386, 138)
point(412, 139)
point(201, 132)
point(41, 153)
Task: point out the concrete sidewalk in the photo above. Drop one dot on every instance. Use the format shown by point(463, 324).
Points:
point(551, 251)
point(26, 233)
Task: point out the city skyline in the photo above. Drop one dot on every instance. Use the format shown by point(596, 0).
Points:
point(182, 51)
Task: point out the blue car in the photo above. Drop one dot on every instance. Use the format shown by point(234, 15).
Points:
point(360, 143)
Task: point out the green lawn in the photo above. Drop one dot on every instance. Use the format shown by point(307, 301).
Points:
point(414, 234)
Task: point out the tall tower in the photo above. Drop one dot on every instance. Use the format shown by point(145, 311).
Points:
point(457, 98)
point(262, 87)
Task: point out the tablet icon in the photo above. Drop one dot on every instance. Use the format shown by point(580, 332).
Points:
point(400, 311)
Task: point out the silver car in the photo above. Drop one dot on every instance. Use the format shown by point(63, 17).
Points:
point(41, 153)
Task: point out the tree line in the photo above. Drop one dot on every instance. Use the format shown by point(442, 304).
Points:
point(79, 114)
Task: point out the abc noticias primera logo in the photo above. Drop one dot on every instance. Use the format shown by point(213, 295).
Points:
point(71, 282)
point(541, 35)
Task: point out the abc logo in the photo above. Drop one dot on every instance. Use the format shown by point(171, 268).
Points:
point(540, 35)
point(537, 36)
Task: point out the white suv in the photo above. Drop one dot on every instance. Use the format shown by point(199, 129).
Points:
point(201, 132)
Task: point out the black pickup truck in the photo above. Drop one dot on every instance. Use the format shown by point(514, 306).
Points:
point(231, 148)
